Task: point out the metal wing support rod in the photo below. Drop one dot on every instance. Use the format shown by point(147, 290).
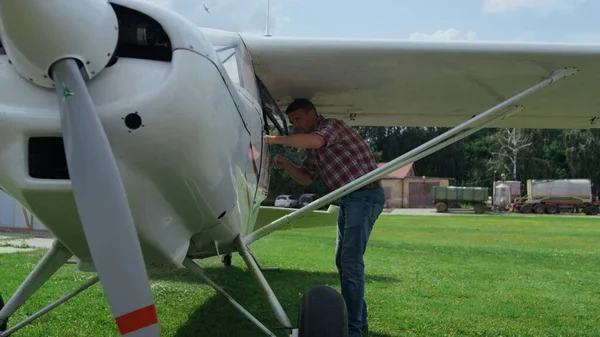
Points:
point(457, 133)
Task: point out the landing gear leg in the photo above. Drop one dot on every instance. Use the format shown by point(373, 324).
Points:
point(48, 265)
point(255, 269)
point(3, 324)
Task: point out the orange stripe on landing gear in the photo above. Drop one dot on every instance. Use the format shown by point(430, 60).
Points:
point(137, 319)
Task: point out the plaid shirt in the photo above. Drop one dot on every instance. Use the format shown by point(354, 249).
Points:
point(344, 157)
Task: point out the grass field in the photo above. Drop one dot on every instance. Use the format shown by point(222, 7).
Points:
point(426, 276)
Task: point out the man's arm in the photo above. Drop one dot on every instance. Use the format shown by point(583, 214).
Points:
point(298, 174)
point(302, 141)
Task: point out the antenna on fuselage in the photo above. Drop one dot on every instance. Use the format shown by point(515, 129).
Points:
point(267, 33)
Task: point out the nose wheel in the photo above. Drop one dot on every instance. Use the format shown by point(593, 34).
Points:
point(322, 314)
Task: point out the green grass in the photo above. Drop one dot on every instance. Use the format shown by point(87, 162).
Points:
point(426, 276)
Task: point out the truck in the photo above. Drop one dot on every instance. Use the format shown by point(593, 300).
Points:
point(550, 196)
point(444, 195)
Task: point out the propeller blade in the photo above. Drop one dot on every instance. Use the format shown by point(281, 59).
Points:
point(103, 207)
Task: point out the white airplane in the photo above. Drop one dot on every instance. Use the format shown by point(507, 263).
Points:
point(123, 132)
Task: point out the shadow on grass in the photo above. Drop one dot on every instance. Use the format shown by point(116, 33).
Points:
point(218, 317)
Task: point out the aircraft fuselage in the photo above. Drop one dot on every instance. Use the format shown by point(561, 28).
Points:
point(187, 140)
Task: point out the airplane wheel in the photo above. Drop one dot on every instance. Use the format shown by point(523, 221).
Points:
point(226, 259)
point(322, 313)
point(3, 325)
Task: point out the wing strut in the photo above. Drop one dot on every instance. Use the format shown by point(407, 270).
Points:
point(457, 133)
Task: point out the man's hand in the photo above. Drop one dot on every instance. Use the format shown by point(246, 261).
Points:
point(271, 139)
point(280, 161)
point(297, 173)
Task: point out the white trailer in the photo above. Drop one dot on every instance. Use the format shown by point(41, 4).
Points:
point(549, 196)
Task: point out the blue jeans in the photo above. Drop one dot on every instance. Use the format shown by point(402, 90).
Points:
point(357, 214)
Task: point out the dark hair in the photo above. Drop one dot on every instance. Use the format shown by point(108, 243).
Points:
point(300, 103)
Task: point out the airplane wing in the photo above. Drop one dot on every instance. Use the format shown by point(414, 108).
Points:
point(268, 214)
point(422, 83)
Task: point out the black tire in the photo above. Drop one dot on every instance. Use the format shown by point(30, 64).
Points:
point(552, 209)
point(226, 259)
point(539, 209)
point(479, 208)
point(322, 313)
point(441, 207)
point(3, 325)
point(526, 209)
point(591, 210)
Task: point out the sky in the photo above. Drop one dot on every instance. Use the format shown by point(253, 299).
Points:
point(482, 20)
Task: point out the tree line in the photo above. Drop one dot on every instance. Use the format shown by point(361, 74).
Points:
point(521, 154)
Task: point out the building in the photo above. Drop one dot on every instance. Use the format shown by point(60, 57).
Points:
point(15, 218)
point(405, 189)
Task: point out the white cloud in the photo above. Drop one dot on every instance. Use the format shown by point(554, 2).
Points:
point(543, 6)
point(444, 35)
point(247, 16)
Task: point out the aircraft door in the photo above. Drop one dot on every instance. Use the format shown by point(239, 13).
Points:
point(274, 123)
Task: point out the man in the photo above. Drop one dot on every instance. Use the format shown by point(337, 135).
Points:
point(338, 155)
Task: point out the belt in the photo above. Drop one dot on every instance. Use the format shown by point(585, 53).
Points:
point(375, 184)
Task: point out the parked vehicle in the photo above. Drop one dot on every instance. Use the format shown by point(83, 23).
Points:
point(550, 196)
point(288, 201)
point(443, 195)
point(306, 199)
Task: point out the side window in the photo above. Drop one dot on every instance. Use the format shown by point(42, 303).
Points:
point(236, 61)
point(274, 119)
point(229, 60)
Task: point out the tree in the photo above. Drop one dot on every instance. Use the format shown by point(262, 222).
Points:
point(512, 146)
point(582, 153)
